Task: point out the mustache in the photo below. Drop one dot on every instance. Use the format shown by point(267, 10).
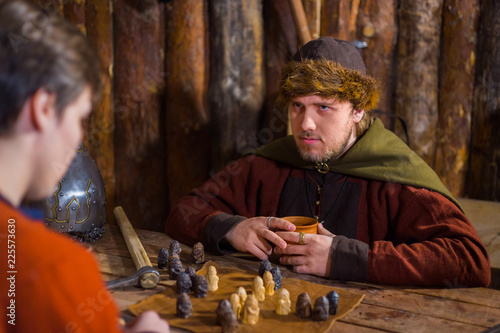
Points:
point(309, 135)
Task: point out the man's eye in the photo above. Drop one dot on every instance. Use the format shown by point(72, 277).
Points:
point(323, 107)
point(297, 105)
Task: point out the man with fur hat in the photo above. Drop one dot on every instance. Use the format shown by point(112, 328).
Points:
point(385, 217)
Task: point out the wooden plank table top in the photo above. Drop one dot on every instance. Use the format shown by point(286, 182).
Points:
point(384, 308)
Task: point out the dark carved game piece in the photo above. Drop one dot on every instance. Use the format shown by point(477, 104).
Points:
point(333, 302)
point(226, 317)
point(192, 274)
point(175, 268)
point(175, 248)
point(183, 283)
point(320, 311)
point(275, 271)
point(200, 286)
point(163, 258)
point(198, 253)
point(303, 306)
point(172, 257)
point(264, 267)
point(184, 306)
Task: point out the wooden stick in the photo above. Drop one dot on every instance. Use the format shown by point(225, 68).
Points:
point(300, 21)
point(137, 252)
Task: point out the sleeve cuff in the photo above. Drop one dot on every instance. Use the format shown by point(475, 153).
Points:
point(349, 259)
point(216, 229)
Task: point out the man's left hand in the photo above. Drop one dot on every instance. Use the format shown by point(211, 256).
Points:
point(313, 257)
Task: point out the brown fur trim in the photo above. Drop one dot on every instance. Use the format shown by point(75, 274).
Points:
point(327, 79)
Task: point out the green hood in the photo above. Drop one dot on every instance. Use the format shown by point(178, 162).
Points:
point(378, 154)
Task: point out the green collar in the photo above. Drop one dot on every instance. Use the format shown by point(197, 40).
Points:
point(378, 155)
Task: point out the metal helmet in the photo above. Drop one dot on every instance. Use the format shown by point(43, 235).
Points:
point(78, 204)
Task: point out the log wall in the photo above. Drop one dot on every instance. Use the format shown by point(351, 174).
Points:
point(190, 85)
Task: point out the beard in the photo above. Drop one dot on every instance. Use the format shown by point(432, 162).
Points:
point(332, 153)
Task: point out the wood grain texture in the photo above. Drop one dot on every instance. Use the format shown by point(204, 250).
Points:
point(281, 41)
point(377, 25)
point(99, 23)
point(338, 18)
point(301, 24)
point(457, 74)
point(484, 172)
point(237, 84)
point(312, 9)
point(140, 159)
point(417, 72)
point(187, 118)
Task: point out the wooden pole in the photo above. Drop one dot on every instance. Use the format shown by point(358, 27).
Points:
point(99, 29)
point(338, 18)
point(459, 38)
point(135, 248)
point(188, 140)
point(378, 27)
point(300, 19)
point(312, 8)
point(237, 82)
point(484, 172)
point(417, 82)
point(140, 159)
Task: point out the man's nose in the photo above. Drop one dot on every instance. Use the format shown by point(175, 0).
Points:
point(308, 123)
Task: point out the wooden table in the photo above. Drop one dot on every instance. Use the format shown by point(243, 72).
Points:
point(384, 308)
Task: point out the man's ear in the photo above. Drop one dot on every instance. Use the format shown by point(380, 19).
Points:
point(42, 109)
point(357, 115)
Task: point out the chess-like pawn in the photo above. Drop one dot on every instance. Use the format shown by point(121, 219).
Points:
point(283, 304)
point(235, 304)
point(269, 283)
point(163, 258)
point(242, 294)
point(198, 253)
point(171, 258)
point(183, 283)
point(192, 273)
point(212, 279)
point(175, 247)
point(184, 306)
point(333, 302)
point(258, 289)
point(320, 311)
point(175, 268)
point(265, 266)
point(200, 286)
point(251, 311)
point(275, 271)
point(226, 317)
point(303, 306)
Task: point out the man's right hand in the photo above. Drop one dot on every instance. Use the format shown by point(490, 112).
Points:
point(253, 235)
point(148, 321)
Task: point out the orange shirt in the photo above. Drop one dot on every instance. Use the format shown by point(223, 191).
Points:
point(49, 283)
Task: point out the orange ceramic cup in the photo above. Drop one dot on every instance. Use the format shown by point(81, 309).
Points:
point(304, 224)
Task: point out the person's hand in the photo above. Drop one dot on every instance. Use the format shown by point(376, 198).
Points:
point(148, 321)
point(253, 235)
point(313, 257)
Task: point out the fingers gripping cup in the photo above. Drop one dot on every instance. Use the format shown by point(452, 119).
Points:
point(304, 224)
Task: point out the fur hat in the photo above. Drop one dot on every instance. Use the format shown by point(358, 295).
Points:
point(328, 67)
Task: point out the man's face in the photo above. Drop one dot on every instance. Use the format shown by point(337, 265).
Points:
point(59, 145)
point(323, 128)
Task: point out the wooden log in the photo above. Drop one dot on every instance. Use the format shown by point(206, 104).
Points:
point(378, 27)
point(281, 42)
point(301, 24)
point(140, 157)
point(457, 68)
point(98, 17)
point(484, 172)
point(312, 9)
point(188, 140)
point(417, 83)
point(338, 18)
point(74, 11)
point(236, 77)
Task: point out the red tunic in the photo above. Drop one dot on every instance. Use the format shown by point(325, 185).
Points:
point(56, 287)
point(386, 233)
